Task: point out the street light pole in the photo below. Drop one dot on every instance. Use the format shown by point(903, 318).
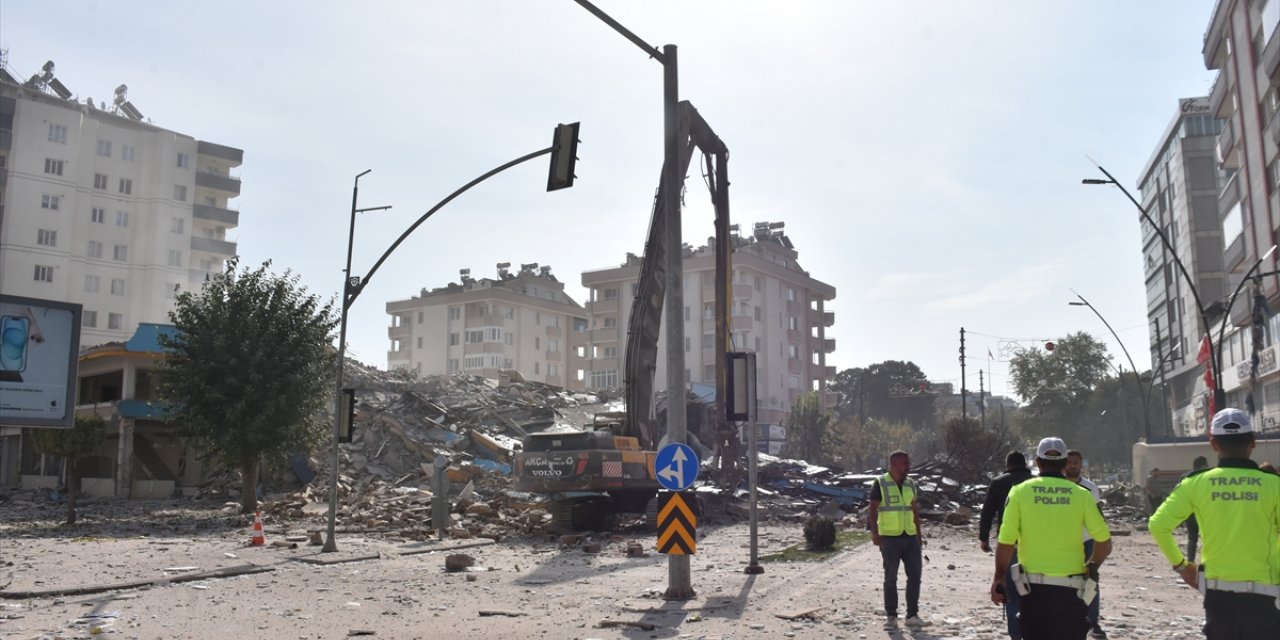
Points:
point(1222, 332)
point(1215, 359)
point(1137, 378)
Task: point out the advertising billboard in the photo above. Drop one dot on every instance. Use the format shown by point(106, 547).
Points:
point(39, 348)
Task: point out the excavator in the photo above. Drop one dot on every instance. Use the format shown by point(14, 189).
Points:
point(607, 467)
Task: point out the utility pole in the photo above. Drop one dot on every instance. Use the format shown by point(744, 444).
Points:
point(982, 399)
point(964, 393)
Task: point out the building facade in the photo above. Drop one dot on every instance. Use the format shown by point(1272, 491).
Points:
point(103, 209)
point(519, 321)
point(1180, 188)
point(777, 310)
point(1241, 45)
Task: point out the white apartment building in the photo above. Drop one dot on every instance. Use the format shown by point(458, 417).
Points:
point(522, 321)
point(777, 310)
point(101, 208)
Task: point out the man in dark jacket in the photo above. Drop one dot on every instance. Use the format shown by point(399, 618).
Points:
point(992, 512)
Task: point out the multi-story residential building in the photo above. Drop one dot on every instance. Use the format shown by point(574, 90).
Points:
point(777, 310)
point(522, 321)
point(1180, 189)
point(1241, 44)
point(101, 208)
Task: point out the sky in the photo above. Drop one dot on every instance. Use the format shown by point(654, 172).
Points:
point(925, 156)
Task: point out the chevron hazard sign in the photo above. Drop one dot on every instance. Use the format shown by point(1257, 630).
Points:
point(677, 526)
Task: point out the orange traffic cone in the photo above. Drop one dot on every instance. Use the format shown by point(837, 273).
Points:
point(259, 537)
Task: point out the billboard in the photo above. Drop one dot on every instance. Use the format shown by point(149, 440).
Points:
point(39, 350)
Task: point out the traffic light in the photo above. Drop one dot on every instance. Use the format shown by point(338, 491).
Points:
point(347, 415)
point(564, 156)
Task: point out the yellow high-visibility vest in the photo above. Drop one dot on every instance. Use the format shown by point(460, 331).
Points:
point(895, 516)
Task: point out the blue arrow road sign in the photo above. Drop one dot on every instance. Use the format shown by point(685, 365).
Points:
point(676, 466)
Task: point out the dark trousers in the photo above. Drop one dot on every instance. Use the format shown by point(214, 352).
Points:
point(1240, 616)
point(1053, 613)
point(1095, 606)
point(1011, 599)
point(905, 550)
point(1193, 536)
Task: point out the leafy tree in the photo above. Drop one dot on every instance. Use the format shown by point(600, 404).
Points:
point(250, 371)
point(1058, 385)
point(811, 432)
point(72, 444)
point(890, 390)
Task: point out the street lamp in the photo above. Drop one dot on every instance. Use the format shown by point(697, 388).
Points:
point(1137, 379)
point(1215, 353)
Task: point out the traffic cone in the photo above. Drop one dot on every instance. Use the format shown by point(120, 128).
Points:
point(259, 537)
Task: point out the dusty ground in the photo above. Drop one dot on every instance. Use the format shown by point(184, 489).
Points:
point(547, 591)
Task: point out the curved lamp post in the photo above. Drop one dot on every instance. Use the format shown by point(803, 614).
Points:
point(1215, 353)
point(1137, 378)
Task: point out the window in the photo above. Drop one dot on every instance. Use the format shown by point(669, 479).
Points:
point(419, 317)
point(126, 186)
point(607, 379)
point(180, 192)
point(120, 253)
point(455, 313)
point(100, 181)
point(104, 148)
point(708, 310)
point(610, 323)
point(114, 320)
point(58, 133)
point(793, 351)
point(47, 237)
point(177, 225)
point(122, 218)
point(184, 161)
point(419, 342)
point(91, 284)
point(508, 338)
point(758, 316)
point(791, 294)
point(537, 343)
point(117, 286)
point(453, 339)
point(791, 323)
point(43, 273)
point(553, 345)
point(758, 283)
point(708, 340)
point(98, 215)
point(50, 202)
point(553, 370)
point(53, 167)
point(611, 294)
point(537, 368)
point(126, 153)
point(453, 365)
point(89, 318)
point(475, 337)
point(171, 289)
point(686, 313)
point(759, 344)
point(612, 352)
point(687, 344)
point(554, 321)
point(175, 258)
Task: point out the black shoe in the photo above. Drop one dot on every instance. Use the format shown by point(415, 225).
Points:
point(1097, 632)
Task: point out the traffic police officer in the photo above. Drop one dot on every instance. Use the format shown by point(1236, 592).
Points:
point(1238, 509)
point(1043, 518)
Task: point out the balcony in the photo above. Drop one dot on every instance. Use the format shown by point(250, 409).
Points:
point(827, 319)
point(1227, 156)
point(1233, 257)
point(213, 245)
point(1273, 124)
point(829, 372)
point(236, 156)
point(743, 291)
point(6, 139)
point(218, 181)
point(214, 214)
point(605, 335)
point(1271, 57)
point(829, 345)
point(1218, 96)
point(198, 275)
point(603, 306)
point(402, 331)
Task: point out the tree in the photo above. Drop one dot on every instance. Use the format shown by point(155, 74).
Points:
point(248, 374)
point(1058, 385)
point(811, 432)
point(971, 450)
point(72, 444)
point(892, 390)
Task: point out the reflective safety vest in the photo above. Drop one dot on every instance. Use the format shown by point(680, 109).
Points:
point(895, 516)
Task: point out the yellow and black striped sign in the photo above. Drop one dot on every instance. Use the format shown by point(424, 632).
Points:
point(677, 525)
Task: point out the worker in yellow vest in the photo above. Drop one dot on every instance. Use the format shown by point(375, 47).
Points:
point(1237, 506)
point(894, 520)
point(1054, 580)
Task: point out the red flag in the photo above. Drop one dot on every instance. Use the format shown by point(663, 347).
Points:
point(1205, 351)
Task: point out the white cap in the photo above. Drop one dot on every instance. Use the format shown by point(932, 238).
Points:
point(1229, 422)
point(1052, 449)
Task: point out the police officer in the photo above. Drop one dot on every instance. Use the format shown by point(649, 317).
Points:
point(1054, 579)
point(1238, 509)
point(894, 520)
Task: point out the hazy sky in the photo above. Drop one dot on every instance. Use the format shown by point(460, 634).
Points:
point(925, 156)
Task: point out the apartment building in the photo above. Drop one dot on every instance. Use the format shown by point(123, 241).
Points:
point(777, 310)
point(1180, 188)
point(100, 207)
point(520, 321)
point(1241, 45)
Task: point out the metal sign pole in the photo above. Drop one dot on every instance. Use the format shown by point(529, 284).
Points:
point(753, 567)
